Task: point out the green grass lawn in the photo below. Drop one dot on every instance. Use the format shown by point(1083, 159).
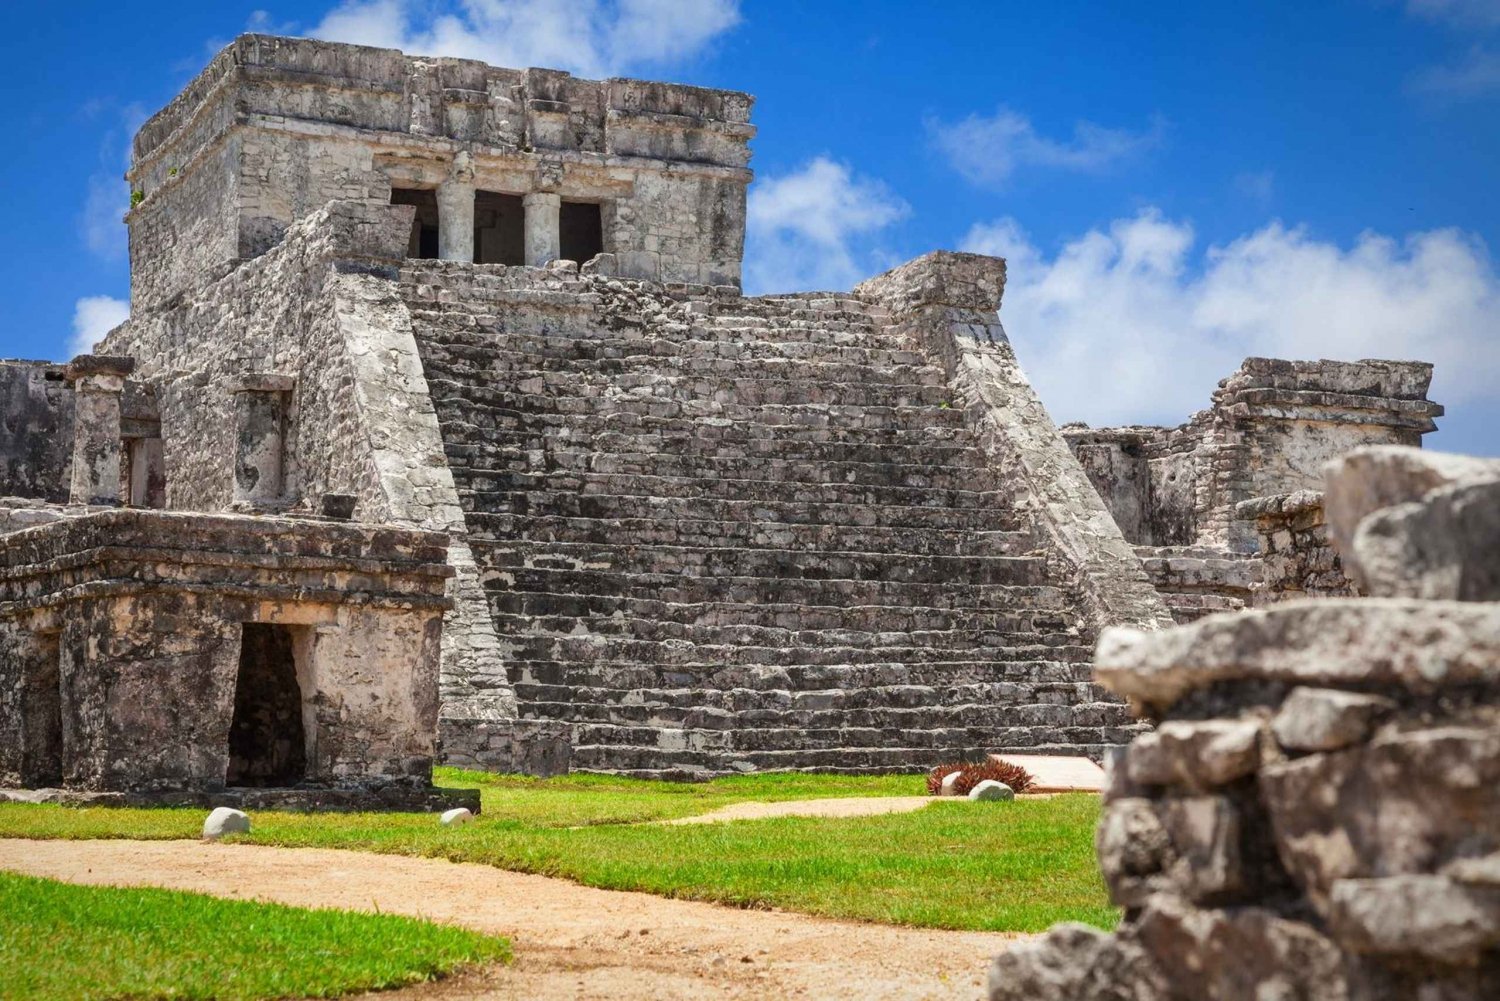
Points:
point(66, 942)
point(1016, 866)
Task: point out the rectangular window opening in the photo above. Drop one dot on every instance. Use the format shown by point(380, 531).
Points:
point(424, 225)
point(267, 740)
point(499, 229)
point(581, 236)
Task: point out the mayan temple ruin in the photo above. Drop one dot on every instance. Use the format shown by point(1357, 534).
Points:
point(441, 430)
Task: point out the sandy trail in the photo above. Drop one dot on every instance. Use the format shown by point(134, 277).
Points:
point(571, 941)
point(850, 806)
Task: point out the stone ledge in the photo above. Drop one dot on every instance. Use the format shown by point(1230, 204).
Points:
point(395, 796)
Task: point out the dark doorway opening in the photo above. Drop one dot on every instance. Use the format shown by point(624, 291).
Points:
point(267, 746)
point(424, 227)
point(41, 721)
point(582, 231)
point(499, 229)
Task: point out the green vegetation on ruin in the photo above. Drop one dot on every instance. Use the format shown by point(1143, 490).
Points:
point(1017, 866)
point(61, 941)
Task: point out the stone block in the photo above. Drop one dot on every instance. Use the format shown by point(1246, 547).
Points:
point(1198, 755)
point(1326, 719)
point(991, 791)
point(1430, 917)
point(224, 820)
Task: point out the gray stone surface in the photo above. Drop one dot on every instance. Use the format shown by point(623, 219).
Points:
point(224, 820)
point(991, 791)
point(1198, 755)
point(1326, 719)
point(1428, 917)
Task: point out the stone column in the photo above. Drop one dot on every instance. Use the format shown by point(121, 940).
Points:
point(543, 210)
point(455, 201)
point(97, 381)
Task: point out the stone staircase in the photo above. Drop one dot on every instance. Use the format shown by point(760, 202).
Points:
point(720, 533)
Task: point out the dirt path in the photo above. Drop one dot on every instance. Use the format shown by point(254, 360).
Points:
point(571, 941)
point(850, 806)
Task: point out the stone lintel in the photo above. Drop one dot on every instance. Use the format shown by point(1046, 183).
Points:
point(264, 382)
point(109, 366)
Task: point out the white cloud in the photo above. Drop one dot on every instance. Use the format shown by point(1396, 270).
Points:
point(1135, 324)
point(1478, 72)
point(588, 37)
point(1466, 13)
point(100, 221)
point(93, 317)
point(989, 149)
point(812, 228)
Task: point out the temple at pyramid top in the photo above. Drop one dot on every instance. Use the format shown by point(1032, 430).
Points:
point(504, 166)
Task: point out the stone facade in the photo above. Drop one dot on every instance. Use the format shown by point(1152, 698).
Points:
point(275, 128)
point(1318, 813)
point(1192, 497)
point(163, 656)
point(1298, 558)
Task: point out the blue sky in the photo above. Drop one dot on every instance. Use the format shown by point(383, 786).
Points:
point(1176, 185)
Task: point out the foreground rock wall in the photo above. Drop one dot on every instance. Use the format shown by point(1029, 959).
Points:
point(1317, 814)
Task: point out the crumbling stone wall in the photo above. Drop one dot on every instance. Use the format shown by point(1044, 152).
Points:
point(274, 128)
point(1298, 558)
point(1318, 813)
point(120, 645)
point(36, 432)
point(1271, 426)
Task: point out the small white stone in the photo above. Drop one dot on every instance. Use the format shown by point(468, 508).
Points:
point(949, 782)
point(225, 820)
point(456, 817)
point(989, 790)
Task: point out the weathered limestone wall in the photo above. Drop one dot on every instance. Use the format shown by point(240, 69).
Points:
point(1195, 581)
point(1298, 558)
point(36, 432)
point(274, 128)
point(1318, 813)
point(1271, 427)
point(318, 319)
point(120, 634)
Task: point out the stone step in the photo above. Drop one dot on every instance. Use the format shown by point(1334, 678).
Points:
point(752, 700)
point(755, 590)
point(492, 404)
point(1053, 666)
point(732, 563)
point(634, 431)
point(987, 611)
point(838, 456)
point(497, 460)
point(925, 539)
point(891, 753)
point(1019, 628)
point(514, 359)
point(821, 724)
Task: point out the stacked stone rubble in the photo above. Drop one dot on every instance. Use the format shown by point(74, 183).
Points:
point(1317, 815)
point(1297, 555)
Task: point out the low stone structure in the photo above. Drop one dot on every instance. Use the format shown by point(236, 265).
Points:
point(151, 656)
point(1318, 814)
point(1191, 498)
point(1297, 556)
